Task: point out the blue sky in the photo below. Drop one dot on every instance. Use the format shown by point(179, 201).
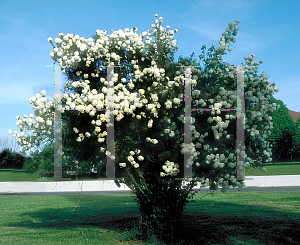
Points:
point(268, 29)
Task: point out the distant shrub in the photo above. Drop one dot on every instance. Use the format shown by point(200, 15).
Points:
point(10, 159)
point(30, 165)
point(45, 160)
point(4, 157)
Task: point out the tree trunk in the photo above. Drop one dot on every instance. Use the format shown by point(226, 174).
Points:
point(273, 160)
point(162, 213)
point(161, 204)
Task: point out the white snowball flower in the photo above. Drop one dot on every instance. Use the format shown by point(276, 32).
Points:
point(140, 158)
point(49, 122)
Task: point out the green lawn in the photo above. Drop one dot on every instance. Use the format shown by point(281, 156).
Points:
point(221, 218)
point(280, 168)
point(21, 175)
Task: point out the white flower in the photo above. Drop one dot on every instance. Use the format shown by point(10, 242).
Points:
point(140, 158)
point(49, 122)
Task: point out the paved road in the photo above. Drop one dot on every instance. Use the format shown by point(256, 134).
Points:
point(245, 189)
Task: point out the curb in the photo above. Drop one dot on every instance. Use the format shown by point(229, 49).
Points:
point(109, 185)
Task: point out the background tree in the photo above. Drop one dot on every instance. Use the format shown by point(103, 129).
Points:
point(297, 145)
point(298, 122)
point(9, 156)
point(10, 159)
point(285, 135)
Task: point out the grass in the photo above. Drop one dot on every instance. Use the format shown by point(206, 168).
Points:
point(12, 174)
point(221, 218)
point(279, 168)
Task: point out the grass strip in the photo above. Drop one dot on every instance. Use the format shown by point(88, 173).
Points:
point(221, 218)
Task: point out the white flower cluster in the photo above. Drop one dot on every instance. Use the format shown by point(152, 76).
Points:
point(131, 159)
point(170, 169)
point(43, 115)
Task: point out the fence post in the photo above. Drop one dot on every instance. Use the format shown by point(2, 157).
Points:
point(57, 125)
point(240, 125)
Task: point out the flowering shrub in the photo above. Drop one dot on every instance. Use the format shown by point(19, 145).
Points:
point(152, 162)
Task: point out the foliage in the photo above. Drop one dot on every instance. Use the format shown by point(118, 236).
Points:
point(31, 165)
point(297, 138)
point(298, 122)
point(76, 157)
point(44, 162)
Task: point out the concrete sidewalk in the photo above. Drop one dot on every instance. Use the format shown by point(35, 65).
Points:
point(109, 185)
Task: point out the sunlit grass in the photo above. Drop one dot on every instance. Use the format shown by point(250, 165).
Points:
point(21, 175)
point(279, 168)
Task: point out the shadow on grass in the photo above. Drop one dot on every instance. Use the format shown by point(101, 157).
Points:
point(205, 221)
